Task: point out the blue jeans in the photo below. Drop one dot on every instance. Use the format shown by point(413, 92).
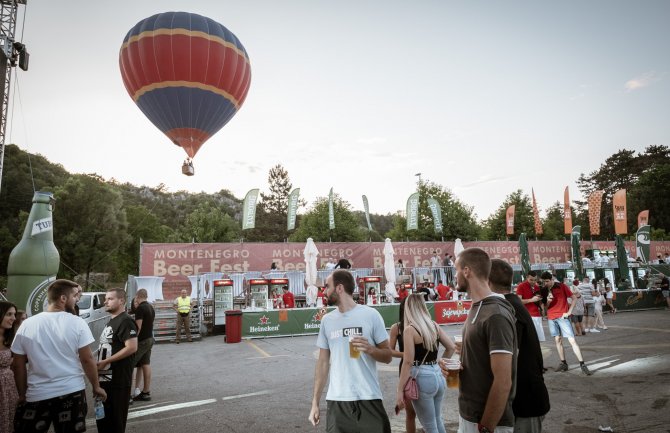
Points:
point(428, 407)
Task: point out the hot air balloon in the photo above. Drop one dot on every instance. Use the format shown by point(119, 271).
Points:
point(188, 74)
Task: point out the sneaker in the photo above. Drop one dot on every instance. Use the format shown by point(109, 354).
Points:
point(143, 396)
point(586, 370)
point(587, 330)
point(604, 328)
point(563, 366)
point(136, 392)
point(130, 402)
point(594, 330)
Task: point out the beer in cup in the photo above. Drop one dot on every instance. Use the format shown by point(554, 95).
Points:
point(453, 369)
point(353, 352)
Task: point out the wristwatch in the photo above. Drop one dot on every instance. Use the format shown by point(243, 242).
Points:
point(483, 429)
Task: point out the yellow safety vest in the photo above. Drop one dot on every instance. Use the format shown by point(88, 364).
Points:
point(184, 304)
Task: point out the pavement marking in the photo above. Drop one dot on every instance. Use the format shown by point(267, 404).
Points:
point(251, 394)
point(261, 351)
point(270, 356)
point(637, 366)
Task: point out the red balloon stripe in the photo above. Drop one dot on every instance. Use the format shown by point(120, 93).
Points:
point(175, 58)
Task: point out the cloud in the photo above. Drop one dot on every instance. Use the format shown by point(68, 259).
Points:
point(641, 81)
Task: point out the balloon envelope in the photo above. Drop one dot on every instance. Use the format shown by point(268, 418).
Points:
point(187, 73)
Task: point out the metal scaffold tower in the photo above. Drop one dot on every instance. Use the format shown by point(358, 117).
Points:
point(11, 54)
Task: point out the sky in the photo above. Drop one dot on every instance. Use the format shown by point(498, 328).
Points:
point(483, 98)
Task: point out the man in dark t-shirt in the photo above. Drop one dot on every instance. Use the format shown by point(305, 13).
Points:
point(531, 401)
point(144, 320)
point(118, 343)
point(489, 351)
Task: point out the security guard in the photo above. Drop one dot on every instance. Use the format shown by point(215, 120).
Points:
point(182, 305)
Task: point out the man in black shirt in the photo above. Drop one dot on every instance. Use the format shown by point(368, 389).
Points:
point(118, 343)
point(531, 401)
point(144, 320)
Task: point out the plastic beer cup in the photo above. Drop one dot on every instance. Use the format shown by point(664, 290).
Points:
point(353, 352)
point(453, 371)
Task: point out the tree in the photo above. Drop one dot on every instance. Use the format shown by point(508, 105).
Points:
point(143, 226)
point(314, 224)
point(495, 226)
point(624, 170)
point(208, 223)
point(652, 192)
point(458, 219)
point(89, 226)
point(272, 211)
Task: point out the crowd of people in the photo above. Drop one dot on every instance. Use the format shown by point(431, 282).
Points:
point(501, 384)
point(45, 358)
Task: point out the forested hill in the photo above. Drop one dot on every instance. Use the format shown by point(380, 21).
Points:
point(99, 223)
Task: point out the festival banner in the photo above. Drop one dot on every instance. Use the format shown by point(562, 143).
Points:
point(619, 209)
point(435, 209)
point(594, 203)
point(567, 213)
point(643, 243)
point(292, 208)
point(643, 218)
point(536, 216)
point(412, 212)
point(367, 212)
point(331, 212)
point(176, 262)
point(509, 220)
point(249, 210)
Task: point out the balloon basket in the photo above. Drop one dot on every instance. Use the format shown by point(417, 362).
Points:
point(187, 169)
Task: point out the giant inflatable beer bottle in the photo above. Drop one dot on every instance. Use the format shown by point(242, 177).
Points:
point(34, 262)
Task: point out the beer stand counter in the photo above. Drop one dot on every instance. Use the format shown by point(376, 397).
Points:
point(264, 323)
point(307, 321)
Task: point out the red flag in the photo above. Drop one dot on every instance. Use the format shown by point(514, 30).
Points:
point(509, 220)
point(567, 213)
point(536, 216)
point(643, 218)
point(619, 209)
point(595, 201)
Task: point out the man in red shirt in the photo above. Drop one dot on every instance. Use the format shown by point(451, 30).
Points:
point(558, 311)
point(402, 292)
point(531, 298)
point(443, 292)
point(287, 298)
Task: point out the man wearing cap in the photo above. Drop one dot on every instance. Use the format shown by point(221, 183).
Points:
point(351, 341)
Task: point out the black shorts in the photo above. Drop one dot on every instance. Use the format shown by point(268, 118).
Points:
point(67, 413)
point(367, 416)
point(576, 318)
point(143, 354)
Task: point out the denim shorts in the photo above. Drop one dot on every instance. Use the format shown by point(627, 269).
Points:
point(560, 328)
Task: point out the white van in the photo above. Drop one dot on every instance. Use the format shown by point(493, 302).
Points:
point(92, 310)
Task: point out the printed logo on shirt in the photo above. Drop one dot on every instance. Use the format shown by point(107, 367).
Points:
point(346, 332)
point(104, 352)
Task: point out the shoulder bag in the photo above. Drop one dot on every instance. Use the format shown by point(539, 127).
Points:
point(411, 390)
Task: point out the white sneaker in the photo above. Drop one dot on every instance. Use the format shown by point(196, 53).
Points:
point(136, 392)
point(587, 330)
point(594, 330)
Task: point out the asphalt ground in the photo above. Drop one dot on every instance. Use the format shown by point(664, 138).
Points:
point(265, 385)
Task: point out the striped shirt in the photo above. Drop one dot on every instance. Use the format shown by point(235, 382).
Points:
point(586, 290)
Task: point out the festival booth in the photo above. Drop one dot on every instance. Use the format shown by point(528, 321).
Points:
point(306, 321)
point(223, 301)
